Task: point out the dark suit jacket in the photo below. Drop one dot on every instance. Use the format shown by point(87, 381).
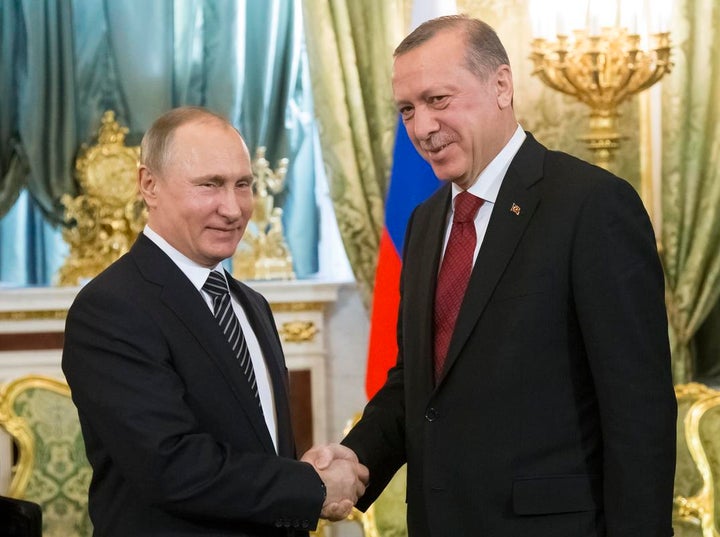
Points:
point(175, 437)
point(556, 413)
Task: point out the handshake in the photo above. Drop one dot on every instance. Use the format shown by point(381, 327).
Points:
point(344, 477)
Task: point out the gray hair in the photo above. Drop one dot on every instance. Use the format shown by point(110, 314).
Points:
point(156, 143)
point(485, 52)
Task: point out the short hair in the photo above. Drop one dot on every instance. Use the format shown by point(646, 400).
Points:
point(485, 52)
point(156, 142)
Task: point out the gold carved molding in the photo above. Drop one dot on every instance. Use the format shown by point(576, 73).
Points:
point(61, 314)
point(33, 315)
point(298, 331)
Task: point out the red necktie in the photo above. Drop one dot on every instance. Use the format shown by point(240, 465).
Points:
point(454, 274)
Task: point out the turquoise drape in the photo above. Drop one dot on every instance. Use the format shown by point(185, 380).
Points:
point(13, 162)
point(29, 262)
point(142, 58)
point(62, 64)
point(276, 112)
point(39, 132)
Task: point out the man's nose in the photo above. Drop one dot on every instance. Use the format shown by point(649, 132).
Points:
point(229, 205)
point(424, 124)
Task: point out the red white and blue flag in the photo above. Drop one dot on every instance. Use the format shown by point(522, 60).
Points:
point(411, 182)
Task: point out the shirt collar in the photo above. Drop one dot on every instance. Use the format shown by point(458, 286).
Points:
point(490, 179)
point(197, 274)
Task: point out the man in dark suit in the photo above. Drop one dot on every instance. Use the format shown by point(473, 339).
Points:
point(532, 393)
point(181, 388)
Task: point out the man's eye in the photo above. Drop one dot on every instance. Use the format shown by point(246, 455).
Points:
point(437, 100)
point(406, 112)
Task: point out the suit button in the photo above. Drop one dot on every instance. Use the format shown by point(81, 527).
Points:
point(431, 414)
point(305, 524)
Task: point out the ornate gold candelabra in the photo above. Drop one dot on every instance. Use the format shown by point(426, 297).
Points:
point(263, 253)
point(601, 69)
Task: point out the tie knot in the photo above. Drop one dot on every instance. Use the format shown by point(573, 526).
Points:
point(215, 285)
point(466, 207)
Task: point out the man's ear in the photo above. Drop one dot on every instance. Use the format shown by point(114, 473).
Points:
point(147, 184)
point(504, 86)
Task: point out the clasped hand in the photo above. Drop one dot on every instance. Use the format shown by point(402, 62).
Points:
point(344, 477)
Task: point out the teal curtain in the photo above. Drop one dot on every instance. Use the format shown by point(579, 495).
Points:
point(29, 263)
point(173, 52)
point(276, 113)
point(39, 132)
point(13, 161)
point(62, 64)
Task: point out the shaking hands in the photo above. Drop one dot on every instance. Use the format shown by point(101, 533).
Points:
point(344, 477)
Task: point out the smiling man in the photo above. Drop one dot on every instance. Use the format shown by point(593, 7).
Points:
point(532, 393)
point(177, 369)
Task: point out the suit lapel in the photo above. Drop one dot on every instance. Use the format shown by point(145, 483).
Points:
point(420, 280)
point(511, 215)
point(275, 363)
point(184, 300)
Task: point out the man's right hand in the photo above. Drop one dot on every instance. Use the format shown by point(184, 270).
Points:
point(344, 477)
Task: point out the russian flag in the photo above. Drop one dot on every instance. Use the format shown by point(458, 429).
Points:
point(411, 182)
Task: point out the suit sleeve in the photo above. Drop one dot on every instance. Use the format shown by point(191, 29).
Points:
point(618, 287)
point(378, 438)
point(135, 415)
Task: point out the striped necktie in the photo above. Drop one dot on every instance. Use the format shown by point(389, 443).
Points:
point(216, 287)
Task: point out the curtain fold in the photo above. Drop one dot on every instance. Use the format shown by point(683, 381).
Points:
point(36, 262)
point(97, 81)
point(45, 103)
point(268, 78)
point(275, 112)
point(691, 177)
point(220, 91)
point(140, 48)
point(188, 50)
point(301, 218)
point(350, 47)
point(13, 162)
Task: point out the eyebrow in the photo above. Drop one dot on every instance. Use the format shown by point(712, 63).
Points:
point(221, 178)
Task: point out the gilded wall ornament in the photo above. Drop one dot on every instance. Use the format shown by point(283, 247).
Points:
point(263, 253)
point(106, 217)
